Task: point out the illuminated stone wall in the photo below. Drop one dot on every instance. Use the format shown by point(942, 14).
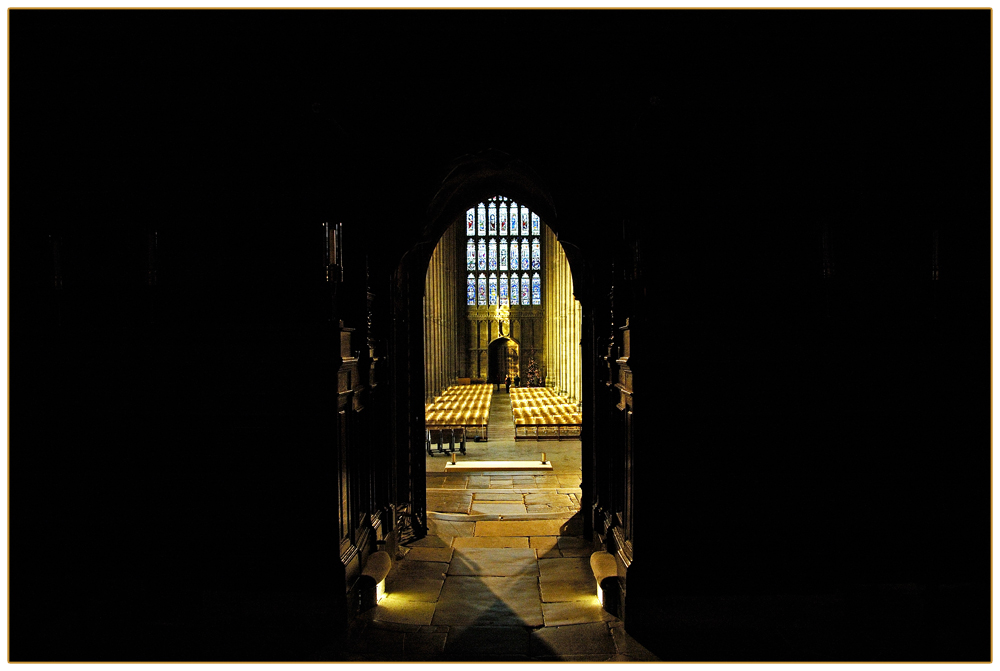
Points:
point(457, 337)
point(563, 321)
point(441, 317)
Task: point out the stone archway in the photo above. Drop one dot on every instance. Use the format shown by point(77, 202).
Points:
point(504, 360)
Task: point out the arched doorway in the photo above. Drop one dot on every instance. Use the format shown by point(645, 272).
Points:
point(504, 360)
point(472, 181)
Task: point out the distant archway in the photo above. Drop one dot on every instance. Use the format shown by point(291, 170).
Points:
point(472, 179)
point(504, 360)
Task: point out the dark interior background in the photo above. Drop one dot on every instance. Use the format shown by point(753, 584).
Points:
point(168, 461)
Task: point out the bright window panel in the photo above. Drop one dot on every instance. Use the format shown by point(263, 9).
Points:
point(525, 260)
point(482, 254)
point(493, 289)
point(515, 260)
point(525, 290)
point(524, 220)
point(470, 222)
point(513, 218)
point(536, 290)
point(536, 224)
point(493, 218)
point(482, 219)
point(470, 255)
point(503, 255)
point(493, 254)
point(536, 254)
point(470, 290)
point(503, 218)
point(504, 296)
point(482, 289)
point(514, 290)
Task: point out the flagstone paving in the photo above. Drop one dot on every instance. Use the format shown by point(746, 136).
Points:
point(504, 572)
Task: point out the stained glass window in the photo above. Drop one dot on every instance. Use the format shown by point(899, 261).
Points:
point(498, 231)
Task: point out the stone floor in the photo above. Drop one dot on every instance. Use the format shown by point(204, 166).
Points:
point(502, 590)
point(504, 572)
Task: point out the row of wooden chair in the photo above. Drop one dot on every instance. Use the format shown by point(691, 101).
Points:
point(539, 413)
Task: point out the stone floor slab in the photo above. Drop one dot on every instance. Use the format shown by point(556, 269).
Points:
point(489, 601)
point(491, 496)
point(574, 612)
point(403, 611)
point(429, 554)
point(431, 542)
point(493, 562)
point(417, 569)
point(492, 542)
point(575, 547)
point(424, 644)
point(498, 508)
point(566, 579)
point(478, 643)
point(449, 501)
point(546, 547)
point(626, 645)
point(520, 528)
point(548, 498)
point(448, 528)
point(403, 586)
point(578, 639)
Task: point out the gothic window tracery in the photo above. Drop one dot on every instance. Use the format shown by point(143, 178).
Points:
point(498, 231)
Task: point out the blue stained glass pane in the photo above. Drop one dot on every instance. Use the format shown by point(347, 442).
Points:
point(482, 289)
point(503, 255)
point(514, 290)
point(524, 221)
point(536, 255)
point(493, 219)
point(525, 260)
point(536, 290)
point(504, 296)
point(503, 219)
point(470, 255)
point(515, 261)
point(470, 292)
point(493, 254)
point(482, 255)
point(482, 219)
point(525, 290)
point(470, 222)
point(513, 219)
point(536, 224)
point(493, 289)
